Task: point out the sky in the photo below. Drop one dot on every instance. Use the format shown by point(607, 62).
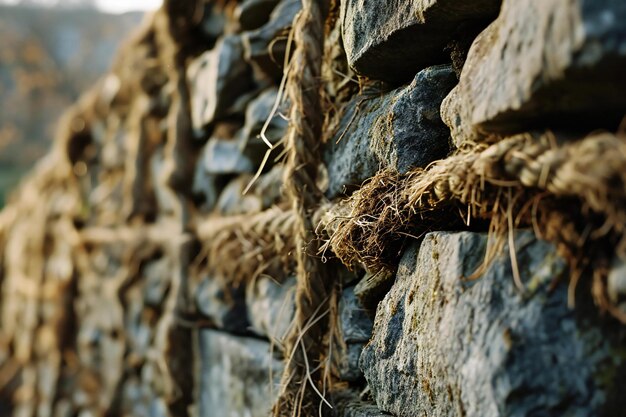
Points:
point(111, 6)
point(121, 6)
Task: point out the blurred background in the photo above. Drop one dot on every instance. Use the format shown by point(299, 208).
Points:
point(50, 52)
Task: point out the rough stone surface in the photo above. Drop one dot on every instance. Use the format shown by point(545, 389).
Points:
point(253, 14)
point(225, 156)
point(617, 284)
point(265, 47)
point(257, 113)
point(223, 305)
point(349, 362)
point(393, 40)
point(400, 129)
point(356, 325)
point(445, 347)
point(542, 62)
point(264, 193)
point(271, 307)
point(232, 201)
point(236, 376)
point(218, 79)
point(372, 288)
point(204, 188)
point(348, 403)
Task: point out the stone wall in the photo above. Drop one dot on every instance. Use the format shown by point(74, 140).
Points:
point(149, 262)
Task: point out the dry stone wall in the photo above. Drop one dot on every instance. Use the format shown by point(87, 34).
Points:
point(149, 262)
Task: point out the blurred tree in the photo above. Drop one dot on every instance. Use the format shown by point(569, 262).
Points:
point(66, 4)
point(47, 57)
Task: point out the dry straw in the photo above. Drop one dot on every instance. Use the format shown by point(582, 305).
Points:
point(572, 193)
point(304, 382)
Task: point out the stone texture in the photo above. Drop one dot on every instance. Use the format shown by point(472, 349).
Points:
point(616, 287)
point(265, 192)
point(372, 288)
point(347, 403)
point(271, 306)
point(265, 47)
point(542, 63)
point(259, 111)
point(400, 129)
point(356, 325)
point(157, 275)
point(218, 79)
point(225, 156)
point(232, 201)
point(393, 40)
point(213, 23)
point(349, 362)
point(204, 188)
point(363, 410)
point(223, 305)
point(235, 378)
point(447, 347)
point(252, 14)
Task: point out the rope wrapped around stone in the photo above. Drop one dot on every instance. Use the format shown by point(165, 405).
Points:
point(302, 381)
point(572, 193)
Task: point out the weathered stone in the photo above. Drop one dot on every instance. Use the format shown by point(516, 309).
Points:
point(232, 201)
point(372, 288)
point(205, 188)
point(237, 375)
point(400, 129)
point(356, 326)
point(542, 63)
point(393, 40)
point(258, 112)
point(363, 410)
point(265, 47)
point(225, 156)
point(157, 276)
point(218, 78)
point(213, 22)
point(252, 14)
point(271, 307)
point(224, 305)
point(616, 287)
point(443, 346)
point(349, 362)
point(264, 193)
point(346, 403)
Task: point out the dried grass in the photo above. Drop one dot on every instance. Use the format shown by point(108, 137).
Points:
point(572, 193)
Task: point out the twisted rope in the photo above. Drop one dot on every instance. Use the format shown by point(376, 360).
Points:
point(301, 382)
point(253, 245)
point(573, 194)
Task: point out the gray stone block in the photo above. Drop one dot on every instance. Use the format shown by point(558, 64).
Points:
point(392, 40)
point(223, 305)
point(543, 63)
point(238, 377)
point(271, 306)
point(224, 157)
point(356, 325)
point(218, 79)
point(265, 47)
point(349, 362)
point(258, 112)
point(347, 403)
point(252, 14)
point(400, 129)
point(443, 346)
